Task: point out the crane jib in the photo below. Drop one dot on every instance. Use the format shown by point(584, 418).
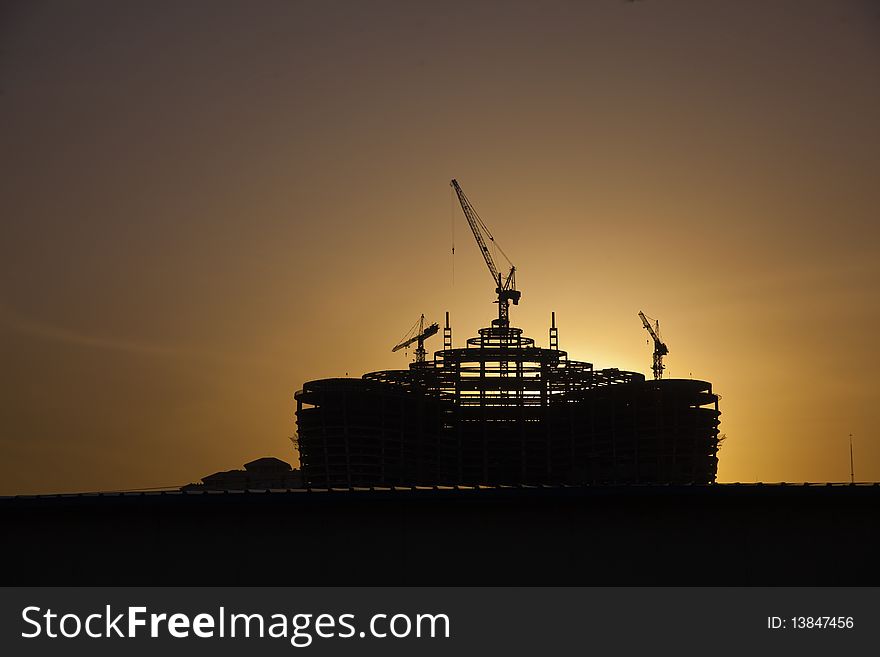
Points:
point(506, 288)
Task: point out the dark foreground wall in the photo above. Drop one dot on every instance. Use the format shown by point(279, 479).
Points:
point(636, 535)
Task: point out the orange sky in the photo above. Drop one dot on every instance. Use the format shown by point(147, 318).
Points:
point(206, 204)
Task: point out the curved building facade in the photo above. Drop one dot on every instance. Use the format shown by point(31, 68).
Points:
point(504, 411)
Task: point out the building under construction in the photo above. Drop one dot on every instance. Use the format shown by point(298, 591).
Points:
point(502, 410)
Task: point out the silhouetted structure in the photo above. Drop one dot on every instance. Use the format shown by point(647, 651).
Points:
point(504, 411)
point(264, 473)
point(721, 535)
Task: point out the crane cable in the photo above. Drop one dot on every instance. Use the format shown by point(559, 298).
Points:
point(489, 234)
point(410, 332)
point(656, 326)
point(452, 227)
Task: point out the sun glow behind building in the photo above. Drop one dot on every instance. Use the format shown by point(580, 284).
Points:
point(194, 229)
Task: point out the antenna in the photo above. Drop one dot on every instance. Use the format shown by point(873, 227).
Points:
point(852, 470)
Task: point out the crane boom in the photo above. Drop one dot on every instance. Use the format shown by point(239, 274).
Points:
point(505, 287)
point(427, 333)
point(474, 222)
point(660, 348)
point(649, 328)
point(420, 337)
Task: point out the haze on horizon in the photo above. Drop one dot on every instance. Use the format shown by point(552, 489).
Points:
point(206, 204)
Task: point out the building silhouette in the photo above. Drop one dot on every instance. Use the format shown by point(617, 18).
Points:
point(503, 411)
point(263, 473)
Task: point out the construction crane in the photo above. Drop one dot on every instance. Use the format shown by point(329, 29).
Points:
point(660, 348)
point(505, 287)
point(421, 335)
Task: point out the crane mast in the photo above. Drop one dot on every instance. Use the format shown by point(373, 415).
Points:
point(660, 348)
point(505, 287)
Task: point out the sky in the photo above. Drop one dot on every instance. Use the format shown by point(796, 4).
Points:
point(206, 204)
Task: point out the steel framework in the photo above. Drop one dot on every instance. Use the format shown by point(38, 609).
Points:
point(502, 410)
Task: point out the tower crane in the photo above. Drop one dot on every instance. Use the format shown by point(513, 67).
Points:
point(421, 335)
point(505, 287)
point(660, 348)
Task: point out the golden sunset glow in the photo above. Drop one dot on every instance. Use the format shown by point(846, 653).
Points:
point(207, 204)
